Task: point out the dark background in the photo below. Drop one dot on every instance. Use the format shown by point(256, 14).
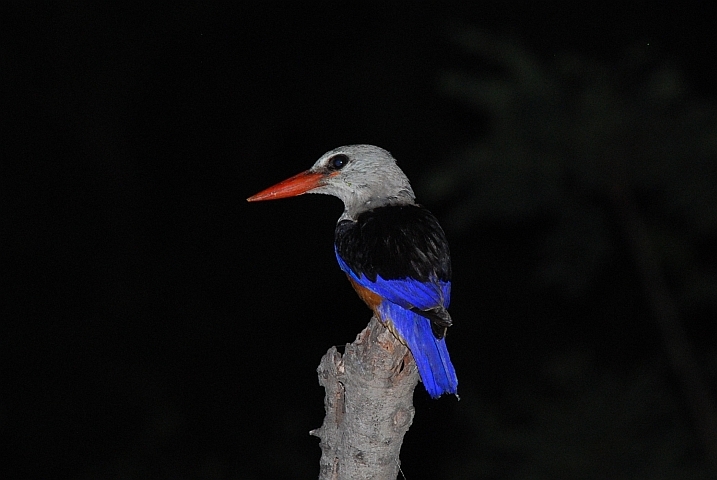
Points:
point(156, 325)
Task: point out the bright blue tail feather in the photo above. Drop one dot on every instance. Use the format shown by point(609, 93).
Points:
point(430, 353)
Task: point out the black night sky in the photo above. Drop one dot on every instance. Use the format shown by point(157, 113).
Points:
point(156, 325)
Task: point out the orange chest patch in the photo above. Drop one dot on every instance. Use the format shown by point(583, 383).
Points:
point(370, 298)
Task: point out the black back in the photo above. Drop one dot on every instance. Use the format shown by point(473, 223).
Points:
point(395, 242)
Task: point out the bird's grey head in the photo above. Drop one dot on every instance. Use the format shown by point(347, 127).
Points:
point(363, 177)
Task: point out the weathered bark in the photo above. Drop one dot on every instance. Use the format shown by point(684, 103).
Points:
point(369, 406)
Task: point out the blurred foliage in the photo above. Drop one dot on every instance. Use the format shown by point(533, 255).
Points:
point(575, 420)
point(562, 135)
point(563, 139)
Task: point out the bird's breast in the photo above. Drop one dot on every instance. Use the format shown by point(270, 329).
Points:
point(372, 299)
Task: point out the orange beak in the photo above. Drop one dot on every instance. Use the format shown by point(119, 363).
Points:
point(290, 187)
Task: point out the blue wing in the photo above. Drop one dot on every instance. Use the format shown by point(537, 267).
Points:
point(400, 297)
point(406, 292)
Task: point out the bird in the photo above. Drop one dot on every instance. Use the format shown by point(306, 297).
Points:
point(393, 251)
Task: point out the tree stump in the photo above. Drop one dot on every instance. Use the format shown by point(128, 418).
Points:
point(369, 406)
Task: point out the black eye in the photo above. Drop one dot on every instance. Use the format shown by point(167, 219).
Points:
point(337, 162)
